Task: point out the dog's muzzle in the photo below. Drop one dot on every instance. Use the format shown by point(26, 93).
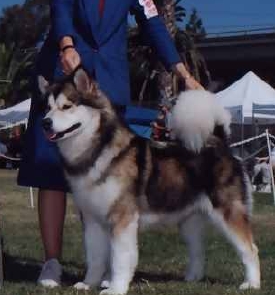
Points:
point(47, 125)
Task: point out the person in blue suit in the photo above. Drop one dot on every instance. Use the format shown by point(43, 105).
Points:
point(92, 33)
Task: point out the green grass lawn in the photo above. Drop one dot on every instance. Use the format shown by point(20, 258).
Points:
point(162, 255)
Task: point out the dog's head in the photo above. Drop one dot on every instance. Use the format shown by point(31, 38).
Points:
point(73, 106)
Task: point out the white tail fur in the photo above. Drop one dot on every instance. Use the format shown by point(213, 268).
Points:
point(194, 117)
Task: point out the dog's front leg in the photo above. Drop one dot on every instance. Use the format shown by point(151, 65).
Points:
point(124, 256)
point(97, 247)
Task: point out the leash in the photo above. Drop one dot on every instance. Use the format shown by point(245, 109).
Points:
point(9, 158)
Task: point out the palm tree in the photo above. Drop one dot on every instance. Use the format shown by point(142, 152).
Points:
point(14, 67)
point(185, 40)
point(191, 56)
point(21, 28)
point(167, 9)
point(144, 65)
point(195, 26)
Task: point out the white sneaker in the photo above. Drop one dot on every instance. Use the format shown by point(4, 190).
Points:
point(50, 275)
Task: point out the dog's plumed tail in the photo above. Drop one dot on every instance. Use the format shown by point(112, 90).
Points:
point(196, 116)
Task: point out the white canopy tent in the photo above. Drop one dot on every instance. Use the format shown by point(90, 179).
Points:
point(242, 94)
point(15, 115)
point(251, 100)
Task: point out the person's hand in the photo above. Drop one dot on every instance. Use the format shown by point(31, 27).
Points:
point(70, 59)
point(192, 84)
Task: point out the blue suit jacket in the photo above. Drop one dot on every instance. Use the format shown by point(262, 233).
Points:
point(102, 45)
point(102, 41)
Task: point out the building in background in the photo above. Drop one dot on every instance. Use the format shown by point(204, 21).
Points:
point(230, 57)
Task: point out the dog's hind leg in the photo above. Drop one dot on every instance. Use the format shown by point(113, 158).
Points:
point(235, 224)
point(192, 231)
point(97, 247)
point(124, 255)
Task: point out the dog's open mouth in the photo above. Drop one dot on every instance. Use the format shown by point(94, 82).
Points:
point(52, 136)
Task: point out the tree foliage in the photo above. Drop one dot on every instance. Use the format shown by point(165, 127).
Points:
point(22, 26)
point(145, 68)
point(195, 27)
point(15, 66)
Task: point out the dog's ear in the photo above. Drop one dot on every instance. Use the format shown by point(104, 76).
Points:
point(82, 81)
point(42, 84)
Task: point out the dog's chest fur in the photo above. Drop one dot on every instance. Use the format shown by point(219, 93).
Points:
point(95, 199)
point(93, 195)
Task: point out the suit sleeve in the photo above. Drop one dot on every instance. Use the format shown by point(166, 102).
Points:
point(62, 18)
point(150, 22)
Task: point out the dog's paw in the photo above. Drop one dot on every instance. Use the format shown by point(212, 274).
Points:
point(112, 291)
point(81, 286)
point(247, 285)
point(48, 283)
point(105, 284)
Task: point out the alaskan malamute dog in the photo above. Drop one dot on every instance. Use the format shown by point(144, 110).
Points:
point(120, 182)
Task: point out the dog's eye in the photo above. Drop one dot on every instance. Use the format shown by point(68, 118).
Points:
point(66, 106)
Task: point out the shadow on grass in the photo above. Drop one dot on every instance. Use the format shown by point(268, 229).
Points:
point(18, 270)
point(141, 277)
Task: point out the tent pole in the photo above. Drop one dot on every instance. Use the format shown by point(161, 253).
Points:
point(1, 263)
point(242, 135)
point(31, 197)
point(270, 164)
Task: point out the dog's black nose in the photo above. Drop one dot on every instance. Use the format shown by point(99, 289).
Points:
point(47, 124)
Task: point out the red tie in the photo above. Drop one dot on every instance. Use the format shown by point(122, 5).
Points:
point(101, 7)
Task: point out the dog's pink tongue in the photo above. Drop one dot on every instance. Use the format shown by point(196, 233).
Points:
point(53, 136)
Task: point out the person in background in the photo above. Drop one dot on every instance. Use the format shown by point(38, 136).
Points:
point(93, 34)
point(267, 159)
point(3, 148)
point(262, 174)
point(3, 152)
point(15, 146)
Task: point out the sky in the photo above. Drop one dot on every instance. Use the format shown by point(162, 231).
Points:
point(228, 15)
point(4, 3)
point(222, 15)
